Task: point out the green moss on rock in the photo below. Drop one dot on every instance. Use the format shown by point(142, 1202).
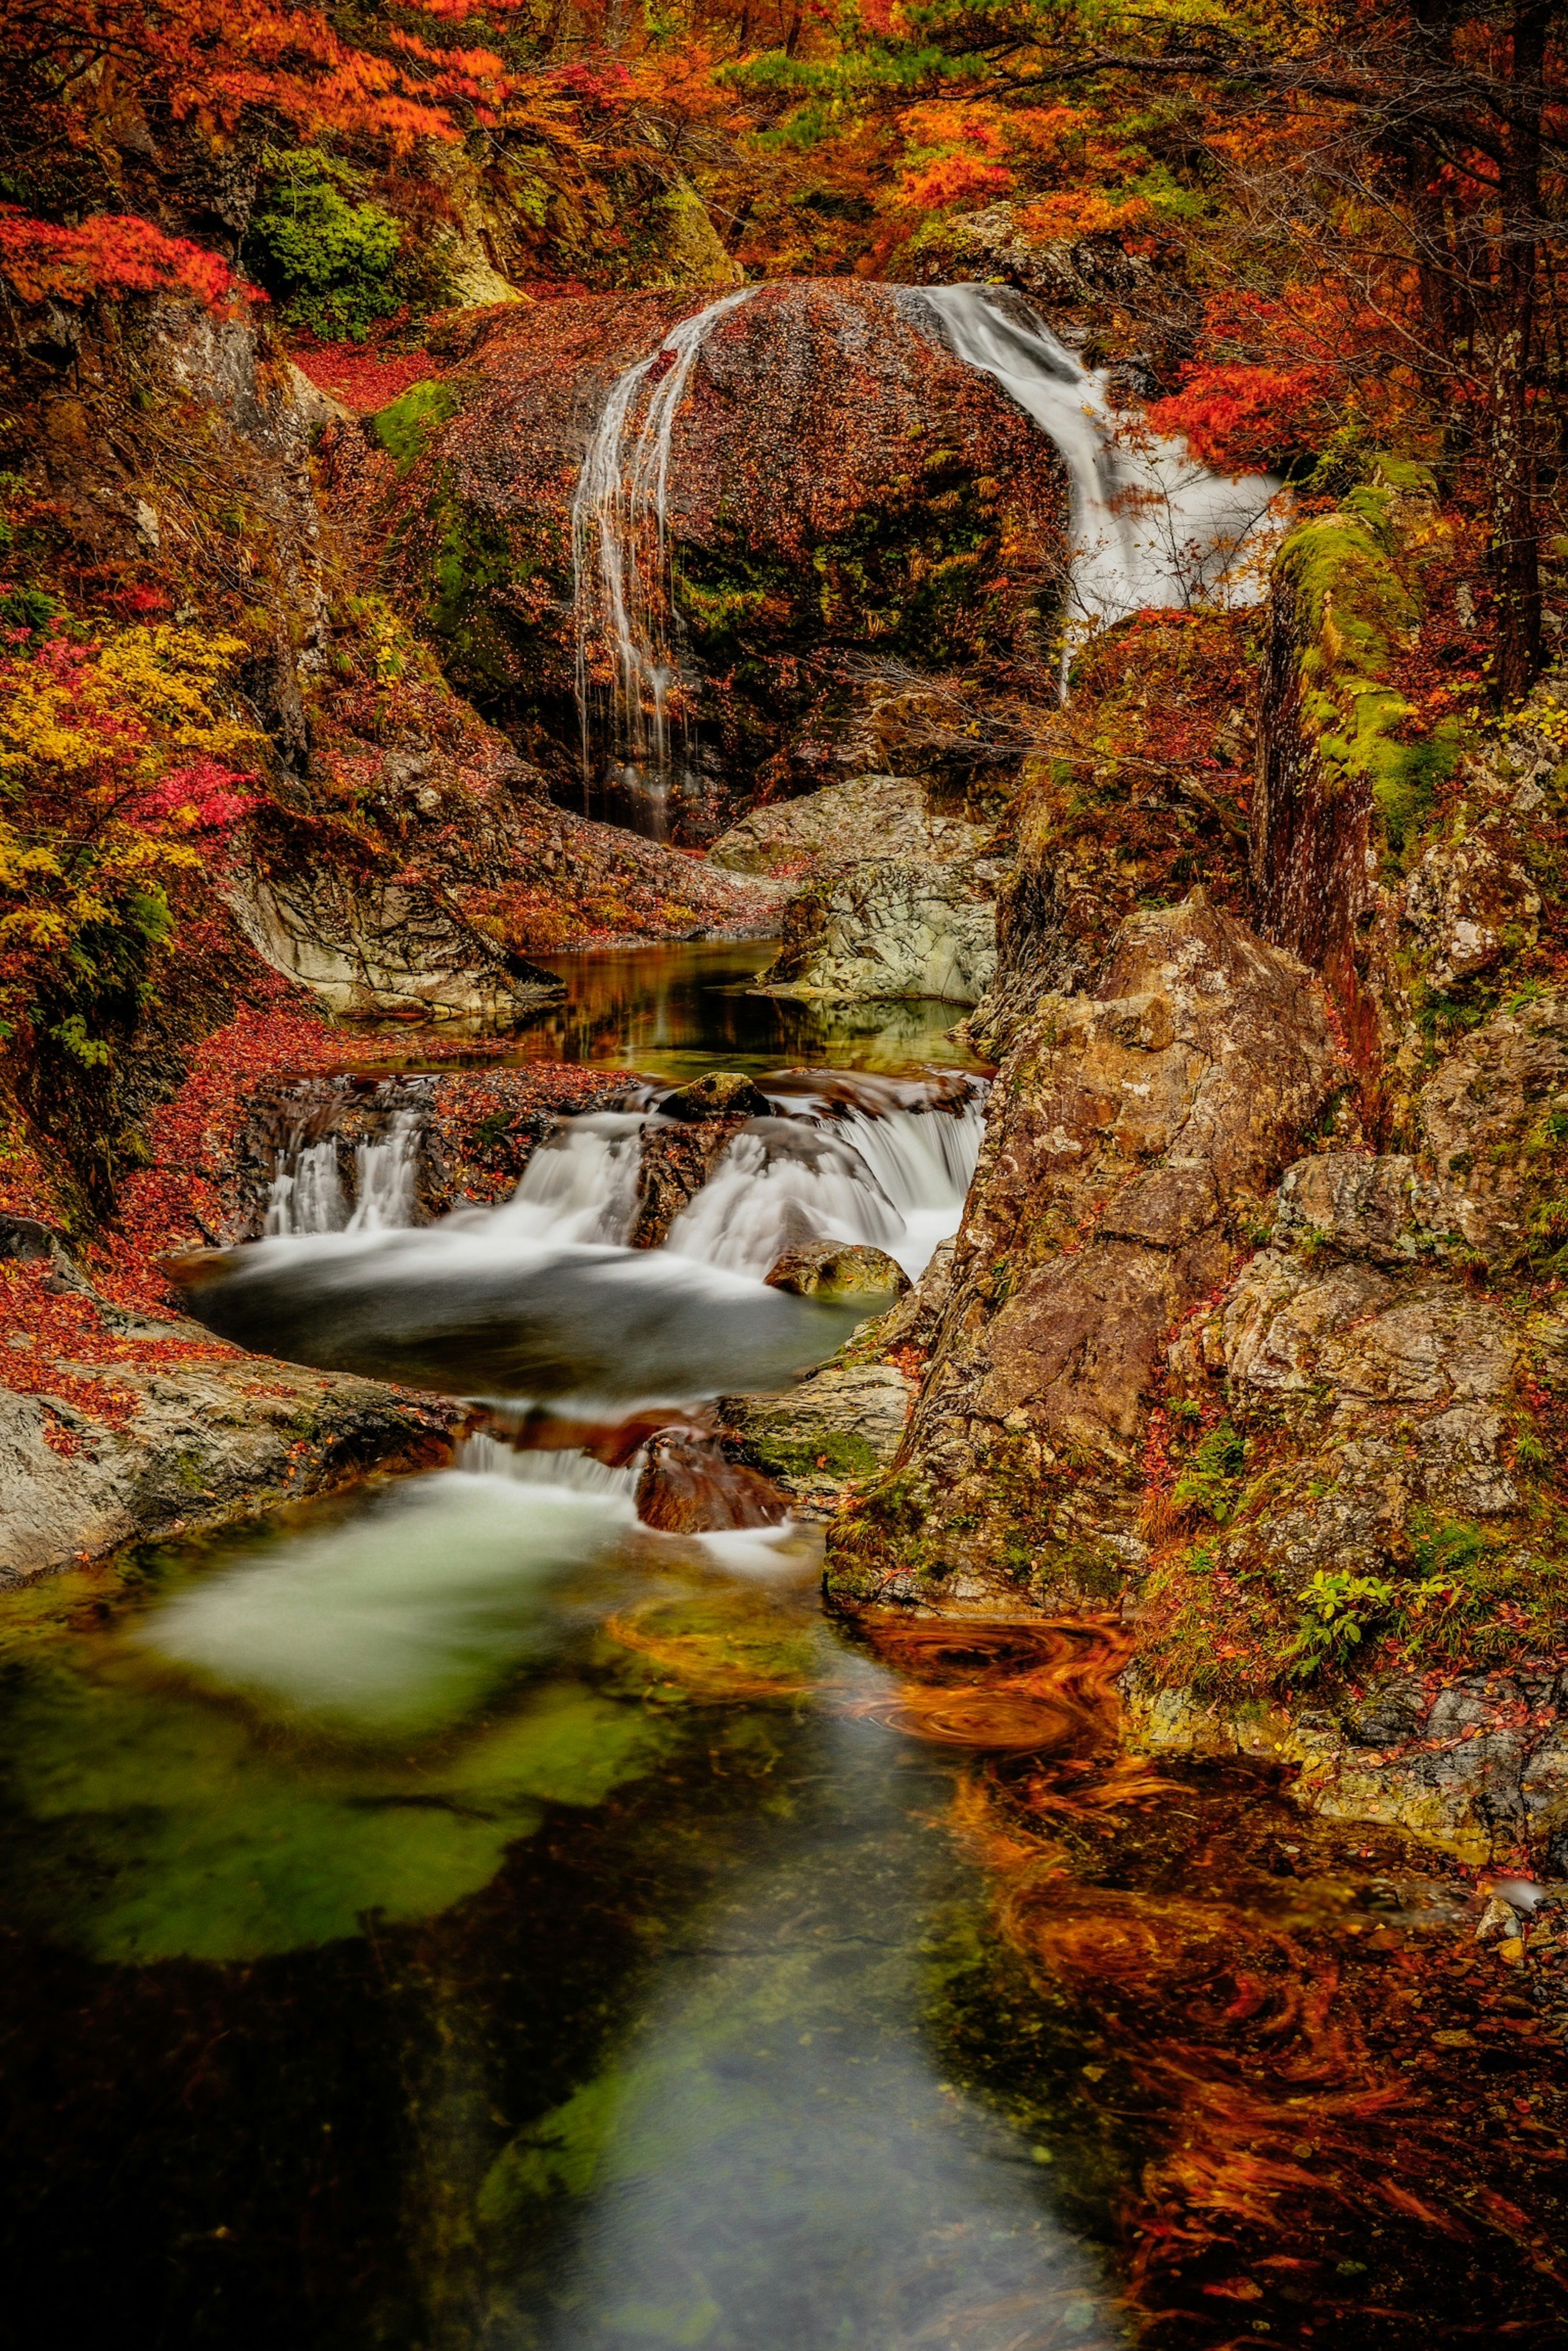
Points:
point(404, 425)
point(1354, 576)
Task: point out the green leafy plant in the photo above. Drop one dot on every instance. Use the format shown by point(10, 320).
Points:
point(1338, 1608)
point(1209, 1483)
point(330, 260)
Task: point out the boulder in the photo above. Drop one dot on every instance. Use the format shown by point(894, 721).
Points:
point(836, 478)
point(889, 928)
point(689, 1485)
point(374, 949)
point(830, 1270)
point(835, 826)
point(843, 1425)
point(722, 1093)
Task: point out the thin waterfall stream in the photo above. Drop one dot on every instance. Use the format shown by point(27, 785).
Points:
point(624, 613)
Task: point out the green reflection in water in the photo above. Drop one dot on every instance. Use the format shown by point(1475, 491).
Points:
point(164, 1827)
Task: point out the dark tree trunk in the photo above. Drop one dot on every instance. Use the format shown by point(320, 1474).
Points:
point(1516, 553)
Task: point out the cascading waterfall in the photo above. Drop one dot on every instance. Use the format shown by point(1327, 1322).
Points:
point(782, 1183)
point(923, 1161)
point(1150, 526)
point(567, 1467)
point(894, 1180)
point(308, 1196)
point(620, 567)
point(581, 1184)
point(385, 1175)
point(893, 1177)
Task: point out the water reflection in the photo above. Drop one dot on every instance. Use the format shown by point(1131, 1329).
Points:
point(774, 2160)
point(537, 1776)
point(676, 1011)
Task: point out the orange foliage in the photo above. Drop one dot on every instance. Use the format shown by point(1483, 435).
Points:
point(112, 252)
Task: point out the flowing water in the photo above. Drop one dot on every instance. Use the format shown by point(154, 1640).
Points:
point(620, 562)
point(1150, 527)
point(459, 1917)
point(1149, 524)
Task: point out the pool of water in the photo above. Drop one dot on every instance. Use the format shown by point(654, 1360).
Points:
point(457, 1917)
point(674, 1012)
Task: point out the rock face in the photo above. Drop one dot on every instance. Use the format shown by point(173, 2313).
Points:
point(838, 825)
point(177, 1433)
point(373, 948)
point(1477, 1764)
point(1129, 1132)
point(836, 478)
point(889, 928)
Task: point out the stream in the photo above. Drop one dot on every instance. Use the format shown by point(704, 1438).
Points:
point(455, 1917)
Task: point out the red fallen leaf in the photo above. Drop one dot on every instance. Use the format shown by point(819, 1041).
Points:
point(1236, 2290)
point(1403, 2202)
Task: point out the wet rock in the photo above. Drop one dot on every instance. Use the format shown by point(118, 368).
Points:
point(1478, 1767)
point(209, 1436)
point(914, 1322)
point(889, 928)
point(679, 1156)
point(843, 1424)
point(689, 1485)
point(721, 1093)
point(830, 1269)
point(835, 826)
point(1123, 1126)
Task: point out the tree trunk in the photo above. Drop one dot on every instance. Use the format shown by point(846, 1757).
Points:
point(1516, 553)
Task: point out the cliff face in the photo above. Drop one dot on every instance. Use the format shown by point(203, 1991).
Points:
point(1254, 1322)
point(1133, 1129)
point(835, 480)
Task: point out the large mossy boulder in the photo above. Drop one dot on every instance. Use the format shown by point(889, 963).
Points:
point(837, 480)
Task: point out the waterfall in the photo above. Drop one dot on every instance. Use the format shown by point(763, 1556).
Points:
point(893, 1179)
point(564, 1467)
point(307, 1196)
point(581, 1184)
point(384, 1179)
point(619, 553)
point(1150, 526)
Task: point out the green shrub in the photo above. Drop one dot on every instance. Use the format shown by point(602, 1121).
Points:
point(330, 261)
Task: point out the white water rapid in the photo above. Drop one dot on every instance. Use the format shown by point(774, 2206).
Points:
point(1150, 526)
point(620, 562)
point(580, 1184)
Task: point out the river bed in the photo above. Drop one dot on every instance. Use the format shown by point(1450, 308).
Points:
point(457, 1917)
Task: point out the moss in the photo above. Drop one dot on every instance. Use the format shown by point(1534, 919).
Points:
point(839, 1453)
point(405, 424)
point(1355, 578)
